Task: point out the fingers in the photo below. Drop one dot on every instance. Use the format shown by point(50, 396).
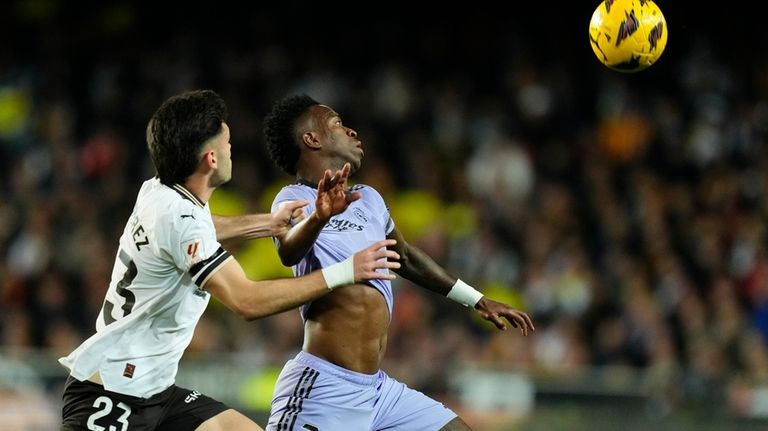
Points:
point(345, 170)
point(372, 272)
point(382, 244)
point(339, 177)
point(528, 322)
point(287, 212)
point(516, 318)
point(331, 179)
point(520, 320)
point(384, 259)
point(326, 182)
point(293, 205)
point(334, 179)
point(376, 257)
point(496, 320)
point(298, 214)
point(389, 259)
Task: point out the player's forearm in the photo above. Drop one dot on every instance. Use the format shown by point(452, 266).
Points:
point(253, 299)
point(269, 297)
point(421, 269)
point(243, 227)
point(295, 244)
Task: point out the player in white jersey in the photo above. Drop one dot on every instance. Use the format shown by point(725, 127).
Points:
point(169, 262)
point(335, 382)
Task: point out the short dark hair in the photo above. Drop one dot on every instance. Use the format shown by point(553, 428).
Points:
point(280, 130)
point(179, 128)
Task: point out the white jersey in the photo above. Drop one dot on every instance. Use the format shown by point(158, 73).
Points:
point(167, 252)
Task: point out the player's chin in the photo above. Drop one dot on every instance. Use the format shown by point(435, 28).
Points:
point(219, 180)
point(356, 164)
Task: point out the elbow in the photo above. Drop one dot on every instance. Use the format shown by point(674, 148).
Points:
point(287, 260)
point(291, 254)
point(404, 265)
point(250, 314)
point(250, 317)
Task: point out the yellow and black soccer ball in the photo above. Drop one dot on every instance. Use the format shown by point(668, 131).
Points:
point(628, 35)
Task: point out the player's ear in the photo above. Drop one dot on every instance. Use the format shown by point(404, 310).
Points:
point(209, 159)
point(310, 139)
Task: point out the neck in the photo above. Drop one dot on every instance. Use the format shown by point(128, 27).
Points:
point(312, 165)
point(198, 186)
point(311, 168)
point(312, 176)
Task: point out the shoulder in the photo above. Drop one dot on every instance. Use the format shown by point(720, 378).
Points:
point(294, 191)
point(167, 208)
point(367, 192)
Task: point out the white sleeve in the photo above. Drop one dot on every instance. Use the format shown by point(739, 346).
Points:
point(196, 250)
point(202, 271)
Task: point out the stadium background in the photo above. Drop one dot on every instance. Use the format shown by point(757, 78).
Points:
point(626, 213)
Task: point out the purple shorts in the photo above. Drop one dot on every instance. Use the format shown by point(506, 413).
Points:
point(316, 395)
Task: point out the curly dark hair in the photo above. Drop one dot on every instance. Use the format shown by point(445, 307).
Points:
point(280, 130)
point(179, 128)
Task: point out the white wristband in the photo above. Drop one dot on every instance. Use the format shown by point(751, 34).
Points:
point(340, 274)
point(464, 294)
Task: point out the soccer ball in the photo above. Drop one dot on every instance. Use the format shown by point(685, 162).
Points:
point(628, 35)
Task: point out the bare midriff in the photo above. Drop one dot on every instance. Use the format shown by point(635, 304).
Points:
point(348, 327)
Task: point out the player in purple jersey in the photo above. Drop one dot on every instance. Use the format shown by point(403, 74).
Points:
point(335, 382)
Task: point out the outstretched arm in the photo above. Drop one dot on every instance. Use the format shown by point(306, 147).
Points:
point(254, 299)
point(421, 269)
point(332, 198)
point(252, 226)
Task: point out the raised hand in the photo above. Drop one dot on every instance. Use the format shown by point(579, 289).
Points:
point(495, 312)
point(373, 257)
point(332, 194)
point(287, 215)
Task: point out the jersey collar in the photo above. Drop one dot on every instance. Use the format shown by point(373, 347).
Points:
point(307, 183)
point(186, 194)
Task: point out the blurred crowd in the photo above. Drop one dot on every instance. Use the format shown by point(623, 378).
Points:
point(625, 213)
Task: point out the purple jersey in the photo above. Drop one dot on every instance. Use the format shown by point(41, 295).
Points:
point(366, 221)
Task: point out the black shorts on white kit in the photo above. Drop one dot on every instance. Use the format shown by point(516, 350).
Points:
point(88, 406)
